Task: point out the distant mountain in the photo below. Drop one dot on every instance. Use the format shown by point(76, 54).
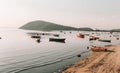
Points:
point(48, 26)
point(86, 29)
point(115, 30)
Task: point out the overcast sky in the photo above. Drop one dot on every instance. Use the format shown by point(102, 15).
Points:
point(101, 14)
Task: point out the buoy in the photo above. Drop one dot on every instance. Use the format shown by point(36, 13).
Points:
point(87, 47)
point(78, 55)
point(38, 40)
point(43, 33)
point(117, 38)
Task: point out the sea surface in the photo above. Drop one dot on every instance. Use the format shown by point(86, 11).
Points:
point(19, 53)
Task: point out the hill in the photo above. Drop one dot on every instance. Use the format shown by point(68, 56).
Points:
point(115, 30)
point(85, 29)
point(48, 26)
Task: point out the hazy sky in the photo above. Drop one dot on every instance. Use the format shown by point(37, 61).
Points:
point(102, 14)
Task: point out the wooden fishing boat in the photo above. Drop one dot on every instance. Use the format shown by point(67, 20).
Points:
point(56, 35)
point(98, 49)
point(57, 39)
point(94, 38)
point(35, 36)
point(81, 36)
point(105, 40)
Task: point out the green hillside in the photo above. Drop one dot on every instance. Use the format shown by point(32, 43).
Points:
point(48, 26)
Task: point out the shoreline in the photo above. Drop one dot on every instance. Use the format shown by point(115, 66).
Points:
point(98, 62)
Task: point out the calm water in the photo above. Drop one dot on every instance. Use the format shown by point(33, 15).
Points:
point(19, 53)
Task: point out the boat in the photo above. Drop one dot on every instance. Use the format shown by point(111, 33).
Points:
point(57, 40)
point(105, 40)
point(93, 38)
point(98, 49)
point(35, 36)
point(81, 36)
point(56, 35)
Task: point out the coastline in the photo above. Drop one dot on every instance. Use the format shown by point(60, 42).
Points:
point(98, 62)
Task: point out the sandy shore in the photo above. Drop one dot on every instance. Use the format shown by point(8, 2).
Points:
point(98, 62)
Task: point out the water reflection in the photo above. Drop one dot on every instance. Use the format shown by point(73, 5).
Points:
point(22, 54)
